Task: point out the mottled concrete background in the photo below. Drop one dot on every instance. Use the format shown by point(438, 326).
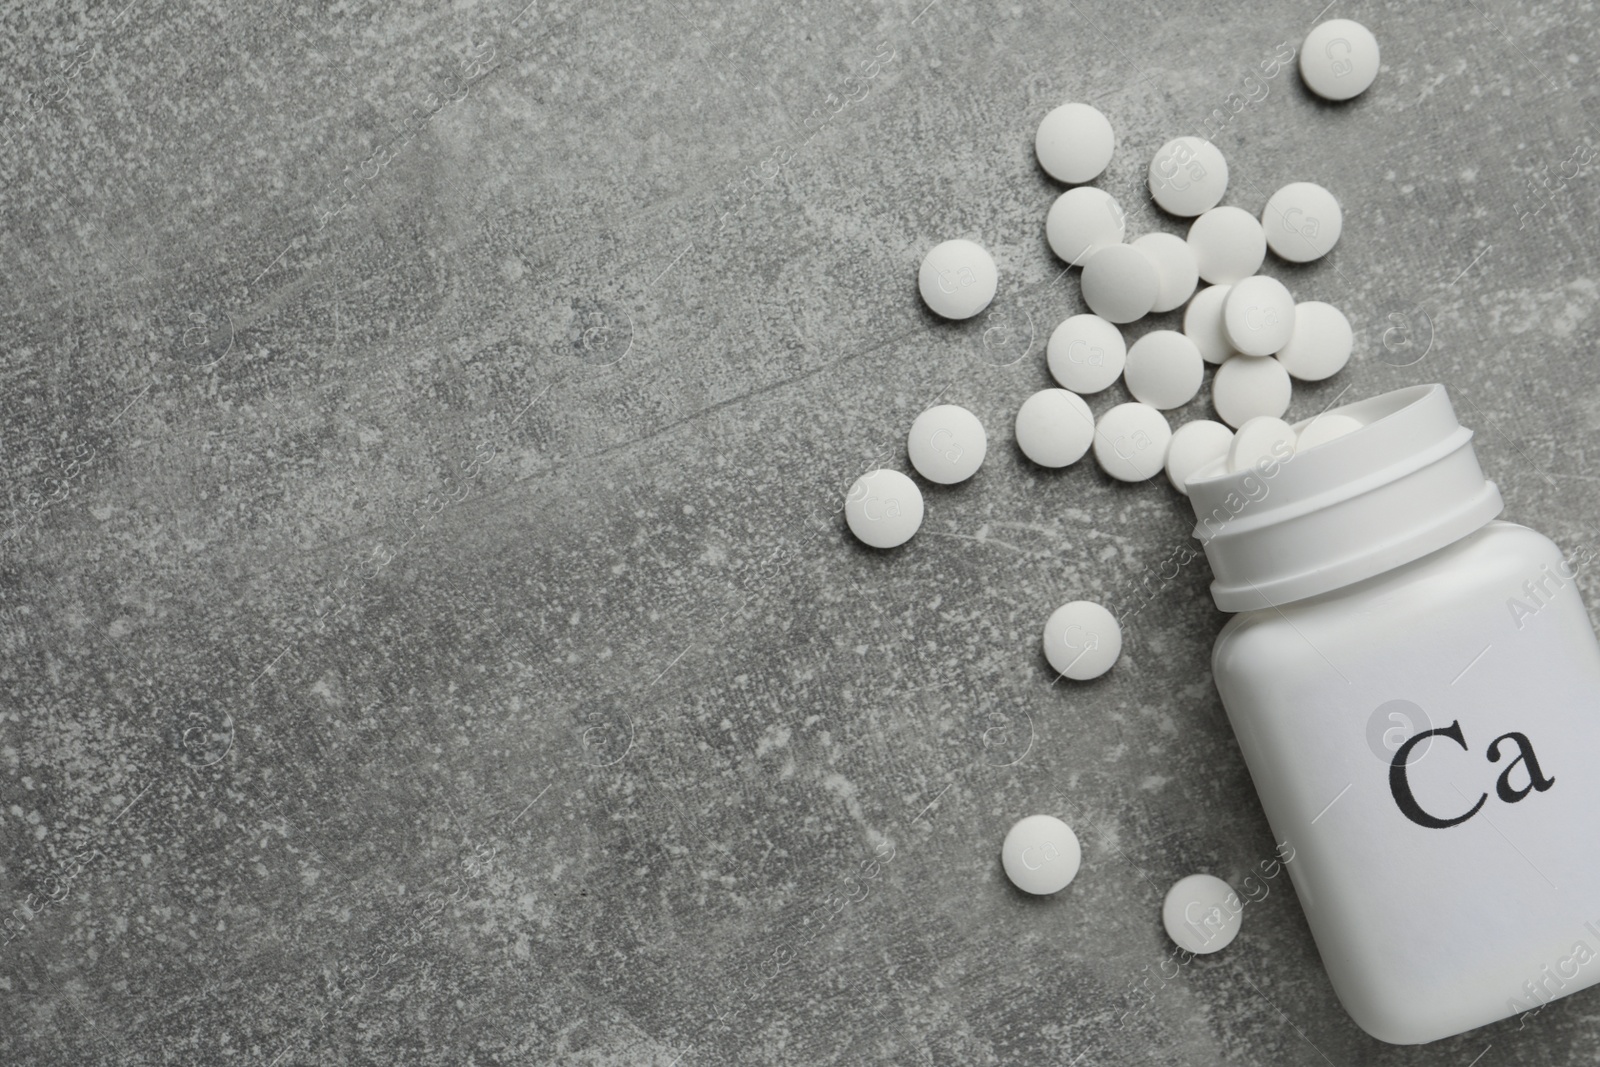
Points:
point(430, 634)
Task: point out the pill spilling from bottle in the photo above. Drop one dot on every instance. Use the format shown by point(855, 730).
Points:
point(1237, 323)
point(1041, 855)
point(1202, 914)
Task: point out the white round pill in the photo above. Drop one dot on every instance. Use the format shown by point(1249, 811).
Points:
point(1130, 442)
point(1074, 143)
point(1041, 855)
point(1082, 640)
point(946, 444)
point(883, 508)
point(1320, 343)
point(1302, 222)
point(1324, 428)
point(1054, 427)
point(1339, 59)
point(1164, 369)
point(1175, 266)
point(957, 279)
point(1202, 323)
point(1202, 914)
point(1086, 353)
point(1082, 220)
point(1260, 438)
point(1188, 176)
point(1247, 386)
point(1258, 315)
point(1228, 245)
point(1120, 283)
point(1194, 445)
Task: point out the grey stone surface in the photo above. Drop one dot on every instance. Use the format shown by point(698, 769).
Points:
point(430, 634)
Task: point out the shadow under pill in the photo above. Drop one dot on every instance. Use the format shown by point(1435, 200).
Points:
point(1034, 900)
point(1041, 663)
point(856, 547)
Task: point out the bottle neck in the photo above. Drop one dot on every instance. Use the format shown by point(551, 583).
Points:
point(1405, 484)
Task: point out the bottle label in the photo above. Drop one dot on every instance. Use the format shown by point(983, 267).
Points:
point(1433, 758)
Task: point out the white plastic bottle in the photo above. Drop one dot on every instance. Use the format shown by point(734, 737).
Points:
point(1415, 688)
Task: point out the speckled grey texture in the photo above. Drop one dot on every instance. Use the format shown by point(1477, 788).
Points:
point(430, 635)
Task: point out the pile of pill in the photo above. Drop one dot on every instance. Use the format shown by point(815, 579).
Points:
point(1245, 324)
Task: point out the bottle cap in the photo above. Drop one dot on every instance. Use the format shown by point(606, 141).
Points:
point(1403, 485)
